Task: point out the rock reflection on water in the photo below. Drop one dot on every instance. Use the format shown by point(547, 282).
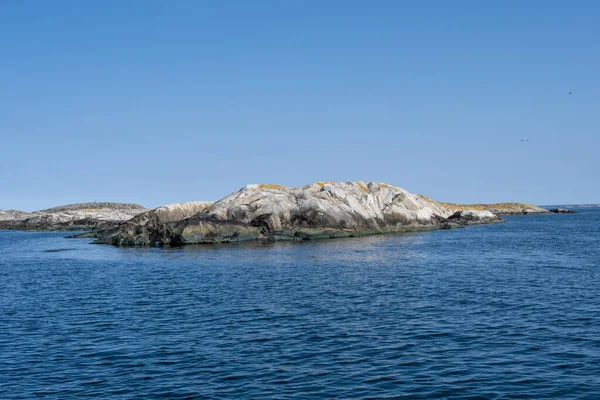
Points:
point(366, 249)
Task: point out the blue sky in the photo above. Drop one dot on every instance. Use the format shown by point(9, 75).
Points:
point(158, 102)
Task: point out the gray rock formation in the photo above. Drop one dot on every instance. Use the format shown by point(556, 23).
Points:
point(82, 216)
point(320, 210)
point(562, 211)
point(470, 217)
point(148, 224)
point(11, 215)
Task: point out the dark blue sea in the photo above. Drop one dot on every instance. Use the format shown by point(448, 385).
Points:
point(491, 312)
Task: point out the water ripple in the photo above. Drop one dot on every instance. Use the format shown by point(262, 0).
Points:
point(494, 312)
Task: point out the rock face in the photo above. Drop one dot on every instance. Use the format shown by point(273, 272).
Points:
point(499, 208)
point(82, 216)
point(145, 226)
point(273, 212)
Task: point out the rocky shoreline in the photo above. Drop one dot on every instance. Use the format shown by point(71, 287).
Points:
point(266, 212)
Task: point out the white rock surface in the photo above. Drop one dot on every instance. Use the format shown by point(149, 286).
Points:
point(179, 211)
point(13, 215)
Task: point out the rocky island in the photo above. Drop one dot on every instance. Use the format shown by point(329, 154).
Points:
point(273, 212)
point(266, 212)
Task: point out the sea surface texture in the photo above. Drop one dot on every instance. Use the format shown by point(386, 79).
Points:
point(498, 311)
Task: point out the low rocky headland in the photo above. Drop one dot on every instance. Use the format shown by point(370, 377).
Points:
point(73, 217)
point(266, 212)
point(499, 208)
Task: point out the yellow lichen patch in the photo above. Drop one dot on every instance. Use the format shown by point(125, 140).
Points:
point(271, 186)
point(321, 184)
point(90, 210)
point(386, 186)
point(362, 187)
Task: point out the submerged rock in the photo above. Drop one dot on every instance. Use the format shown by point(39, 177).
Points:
point(273, 212)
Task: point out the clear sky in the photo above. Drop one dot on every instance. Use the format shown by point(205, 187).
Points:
point(158, 102)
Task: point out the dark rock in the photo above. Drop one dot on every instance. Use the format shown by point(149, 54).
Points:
point(562, 211)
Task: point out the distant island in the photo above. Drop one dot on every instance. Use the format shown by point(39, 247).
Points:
point(266, 212)
point(574, 206)
point(500, 208)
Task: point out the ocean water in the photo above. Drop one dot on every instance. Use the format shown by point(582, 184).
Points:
point(499, 311)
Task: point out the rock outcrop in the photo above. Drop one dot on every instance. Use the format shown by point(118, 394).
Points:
point(562, 211)
point(461, 219)
point(83, 216)
point(149, 223)
point(499, 208)
point(273, 212)
point(11, 215)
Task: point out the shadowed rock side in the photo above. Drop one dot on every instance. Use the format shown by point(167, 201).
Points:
point(145, 227)
point(562, 211)
point(82, 216)
point(499, 208)
point(469, 217)
point(320, 210)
